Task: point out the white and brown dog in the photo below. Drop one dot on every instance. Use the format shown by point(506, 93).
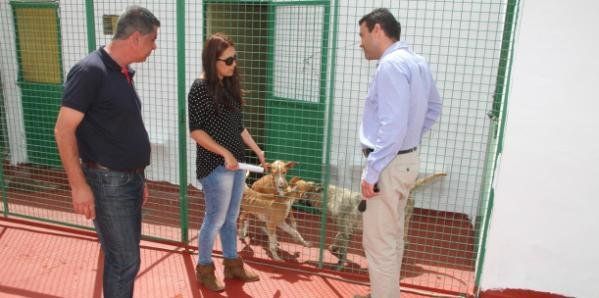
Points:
point(270, 200)
point(342, 207)
point(276, 181)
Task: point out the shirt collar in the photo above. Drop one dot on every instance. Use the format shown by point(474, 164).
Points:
point(394, 47)
point(111, 64)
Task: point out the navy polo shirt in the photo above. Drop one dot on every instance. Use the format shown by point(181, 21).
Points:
point(112, 132)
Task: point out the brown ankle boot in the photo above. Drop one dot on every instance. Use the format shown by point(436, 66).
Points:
point(234, 269)
point(205, 276)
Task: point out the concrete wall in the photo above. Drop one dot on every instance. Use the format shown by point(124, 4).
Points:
point(543, 231)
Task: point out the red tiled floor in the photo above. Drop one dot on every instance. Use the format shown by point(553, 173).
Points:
point(439, 254)
point(38, 261)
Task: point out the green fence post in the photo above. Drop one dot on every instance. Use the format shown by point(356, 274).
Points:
point(91, 25)
point(329, 123)
point(3, 145)
point(497, 115)
point(182, 118)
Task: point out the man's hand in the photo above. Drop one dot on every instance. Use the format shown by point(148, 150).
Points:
point(146, 194)
point(367, 190)
point(66, 126)
point(83, 201)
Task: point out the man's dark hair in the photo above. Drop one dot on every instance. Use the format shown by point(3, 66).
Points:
point(135, 18)
point(385, 19)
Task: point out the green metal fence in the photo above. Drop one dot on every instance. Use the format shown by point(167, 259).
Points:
point(305, 79)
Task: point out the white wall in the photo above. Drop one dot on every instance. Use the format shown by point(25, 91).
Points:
point(544, 227)
point(15, 127)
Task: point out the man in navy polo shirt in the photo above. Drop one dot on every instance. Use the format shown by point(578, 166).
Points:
point(104, 146)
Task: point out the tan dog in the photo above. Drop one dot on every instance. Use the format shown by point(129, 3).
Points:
point(342, 206)
point(272, 209)
point(275, 182)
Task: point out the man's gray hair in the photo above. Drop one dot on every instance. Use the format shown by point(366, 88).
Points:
point(135, 18)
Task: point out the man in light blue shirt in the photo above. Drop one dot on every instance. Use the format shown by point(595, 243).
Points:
point(402, 104)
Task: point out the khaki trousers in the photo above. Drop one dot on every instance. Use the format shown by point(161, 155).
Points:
point(383, 233)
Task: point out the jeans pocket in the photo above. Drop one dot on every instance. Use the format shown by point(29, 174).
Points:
point(122, 185)
point(116, 179)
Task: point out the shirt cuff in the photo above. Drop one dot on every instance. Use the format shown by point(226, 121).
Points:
point(370, 175)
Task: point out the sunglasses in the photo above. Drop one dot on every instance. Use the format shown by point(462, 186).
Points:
point(228, 61)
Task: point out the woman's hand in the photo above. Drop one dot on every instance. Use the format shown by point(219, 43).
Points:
point(230, 162)
point(262, 159)
point(249, 141)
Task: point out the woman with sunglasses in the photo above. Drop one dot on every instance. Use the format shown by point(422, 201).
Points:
point(215, 123)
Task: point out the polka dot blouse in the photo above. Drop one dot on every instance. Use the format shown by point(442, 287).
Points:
point(224, 127)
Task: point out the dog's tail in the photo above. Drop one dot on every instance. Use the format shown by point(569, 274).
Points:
point(428, 179)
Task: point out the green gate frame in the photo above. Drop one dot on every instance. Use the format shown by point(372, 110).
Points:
point(298, 140)
point(296, 128)
point(40, 97)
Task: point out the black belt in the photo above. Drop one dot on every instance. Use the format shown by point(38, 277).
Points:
point(367, 151)
point(97, 166)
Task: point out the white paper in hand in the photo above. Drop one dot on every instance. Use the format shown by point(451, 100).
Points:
point(251, 168)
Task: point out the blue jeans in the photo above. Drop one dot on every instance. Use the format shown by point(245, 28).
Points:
point(118, 200)
point(223, 190)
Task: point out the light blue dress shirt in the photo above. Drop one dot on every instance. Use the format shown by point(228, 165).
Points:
point(402, 104)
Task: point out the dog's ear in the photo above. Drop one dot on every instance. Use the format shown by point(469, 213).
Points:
point(294, 180)
point(290, 164)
